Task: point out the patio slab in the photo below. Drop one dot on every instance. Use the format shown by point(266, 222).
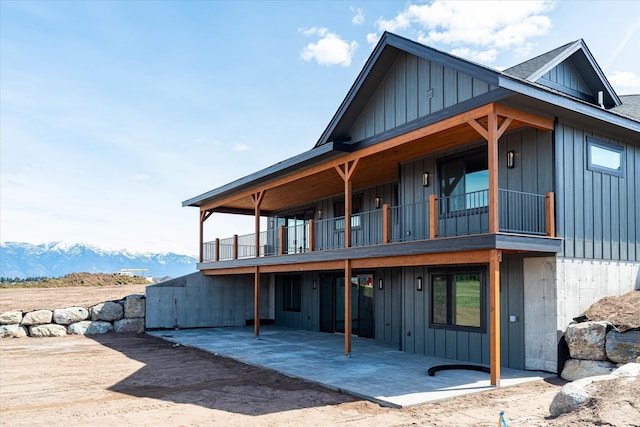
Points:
point(375, 371)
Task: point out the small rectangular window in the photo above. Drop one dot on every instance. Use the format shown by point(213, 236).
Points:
point(456, 300)
point(605, 157)
point(291, 293)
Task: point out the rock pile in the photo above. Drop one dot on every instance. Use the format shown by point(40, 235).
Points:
point(126, 315)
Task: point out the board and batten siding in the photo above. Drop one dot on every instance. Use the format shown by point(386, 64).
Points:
point(308, 317)
point(598, 214)
point(413, 88)
point(566, 75)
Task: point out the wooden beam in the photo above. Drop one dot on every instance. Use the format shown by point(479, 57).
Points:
point(256, 303)
point(235, 246)
point(312, 232)
point(492, 148)
point(551, 214)
point(346, 171)
point(433, 216)
point(386, 224)
point(256, 198)
point(281, 251)
point(204, 215)
point(538, 122)
point(347, 308)
point(479, 128)
point(217, 254)
point(494, 316)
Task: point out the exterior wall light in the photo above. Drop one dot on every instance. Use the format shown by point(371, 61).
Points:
point(425, 179)
point(377, 202)
point(315, 284)
point(511, 159)
point(419, 283)
point(380, 283)
point(319, 214)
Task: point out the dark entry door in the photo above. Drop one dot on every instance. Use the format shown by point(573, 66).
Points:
point(332, 305)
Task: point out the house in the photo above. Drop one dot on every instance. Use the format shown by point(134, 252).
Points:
point(448, 208)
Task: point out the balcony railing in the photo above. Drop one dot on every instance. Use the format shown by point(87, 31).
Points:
point(456, 215)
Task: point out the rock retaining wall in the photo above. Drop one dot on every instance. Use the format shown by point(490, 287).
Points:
point(126, 315)
point(596, 348)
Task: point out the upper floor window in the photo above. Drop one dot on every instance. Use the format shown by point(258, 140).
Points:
point(464, 182)
point(605, 157)
point(339, 211)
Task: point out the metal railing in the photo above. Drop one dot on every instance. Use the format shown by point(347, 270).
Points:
point(458, 215)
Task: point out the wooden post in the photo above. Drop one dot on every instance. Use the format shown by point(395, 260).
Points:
point(204, 215)
point(217, 255)
point(346, 171)
point(433, 216)
point(551, 214)
point(386, 224)
point(347, 308)
point(235, 246)
point(281, 233)
point(256, 303)
point(311, 235)
point(257, 201)
point(494, 315)
point(492, 148)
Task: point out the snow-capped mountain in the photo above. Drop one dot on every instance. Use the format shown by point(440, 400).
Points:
point(55, 259)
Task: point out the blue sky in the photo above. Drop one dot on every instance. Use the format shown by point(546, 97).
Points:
point(113, 113)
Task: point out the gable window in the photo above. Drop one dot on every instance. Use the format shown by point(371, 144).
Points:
point(291, 293)
point(457, 300)
point(464, 182)
point(605, 157)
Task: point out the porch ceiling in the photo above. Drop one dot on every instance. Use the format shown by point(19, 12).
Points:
point(378, 164)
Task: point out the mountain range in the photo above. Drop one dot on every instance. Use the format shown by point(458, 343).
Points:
point(56, 259)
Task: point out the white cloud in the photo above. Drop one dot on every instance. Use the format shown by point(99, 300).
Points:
point(625, 82)
point(372, 38)
point(481, 56)
point(241, 147)
point(484, 28)
point(330, 49)
point(358, 19)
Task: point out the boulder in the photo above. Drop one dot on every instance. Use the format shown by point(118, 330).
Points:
point(87, 327)
point(586, 340)
point(134, 306)
point(37, 317)
point(108, 311)
point(50, 330)
point(628, 370)
point(129, 325)
point(575, 369)
point(67, 316)
point(10, 318)
point(13, 331)
point(570, 397)
point(623, 347)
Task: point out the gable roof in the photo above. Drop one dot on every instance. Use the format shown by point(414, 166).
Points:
point(375, 69)
point(579, 55)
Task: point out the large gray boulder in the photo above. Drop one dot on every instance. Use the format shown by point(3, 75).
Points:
point(129, 325)
point(575, 393)
point(13, 331)
point(67, 316)
point(134, 306)
point(108, 311)
point(575, 369)
point(586, 340)
point(37, 317)
point(88, 327)
point(50, 330)
point(623, 347)
point(10, 318)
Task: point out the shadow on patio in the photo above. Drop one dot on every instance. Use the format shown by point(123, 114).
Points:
point(376, 371)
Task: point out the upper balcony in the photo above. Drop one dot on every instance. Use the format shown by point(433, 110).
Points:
point(520, 214)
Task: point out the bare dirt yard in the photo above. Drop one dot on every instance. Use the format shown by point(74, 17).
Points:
point(116, 379)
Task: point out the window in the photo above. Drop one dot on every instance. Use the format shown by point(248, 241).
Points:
point(464, 182)
point(457, 300)
point(291, 293)
point(605, 157)
point(338, 213)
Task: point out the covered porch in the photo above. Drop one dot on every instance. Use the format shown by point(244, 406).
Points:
point(376, 371)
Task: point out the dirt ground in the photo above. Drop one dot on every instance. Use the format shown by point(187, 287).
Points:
point(141, 380)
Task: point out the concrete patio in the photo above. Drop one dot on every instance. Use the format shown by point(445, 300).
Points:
point(375, 371)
